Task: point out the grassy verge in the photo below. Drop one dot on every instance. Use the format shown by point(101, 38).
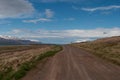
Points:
point(107, 51)
point(10, 74)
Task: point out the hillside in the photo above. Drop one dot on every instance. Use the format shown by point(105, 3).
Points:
point(106, 48)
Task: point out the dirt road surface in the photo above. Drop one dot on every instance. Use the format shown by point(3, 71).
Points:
point(74, 64)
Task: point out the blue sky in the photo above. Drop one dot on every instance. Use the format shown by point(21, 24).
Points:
point(60, 21)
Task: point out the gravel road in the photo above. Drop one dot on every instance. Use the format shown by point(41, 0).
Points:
point(74, 64)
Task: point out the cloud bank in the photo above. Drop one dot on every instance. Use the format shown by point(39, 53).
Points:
point(15, 8)
point(67, 35)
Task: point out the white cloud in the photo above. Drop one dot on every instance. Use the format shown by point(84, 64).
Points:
point(34, 40)
point(95, 32)
point(102, 8)
point(83, 40)
point(15, 8)
point(16, 31)
point(49, 13)
point(37, 20)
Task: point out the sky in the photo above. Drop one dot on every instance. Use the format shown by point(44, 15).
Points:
point(60, 21)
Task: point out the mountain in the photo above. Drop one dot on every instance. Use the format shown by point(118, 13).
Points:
point(8, 40)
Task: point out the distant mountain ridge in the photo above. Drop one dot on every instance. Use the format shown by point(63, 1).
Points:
point(8, 40)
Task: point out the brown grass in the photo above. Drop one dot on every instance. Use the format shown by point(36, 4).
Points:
point(14, 56)
point(15, 65)
point(5, 49)
point(107, 48)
